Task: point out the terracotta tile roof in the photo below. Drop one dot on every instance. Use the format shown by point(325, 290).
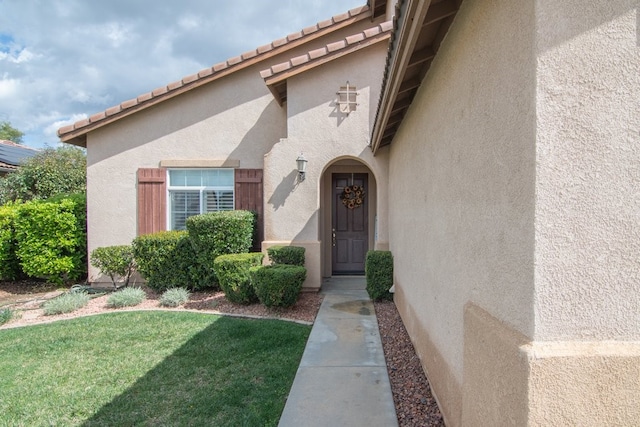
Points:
point(275, 76)
point(76, 133)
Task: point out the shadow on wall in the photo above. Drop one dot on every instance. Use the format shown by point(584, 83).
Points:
point(265, 132)
point(288, 185)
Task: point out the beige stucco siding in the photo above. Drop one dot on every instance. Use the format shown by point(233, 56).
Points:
point(238, 120)
point(294, 210)
point(588, 179)
point(516, 256)
point(235, 117)
point(462, 179)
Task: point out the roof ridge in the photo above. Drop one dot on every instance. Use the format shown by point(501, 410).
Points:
point(211, 72)
point(353, 39)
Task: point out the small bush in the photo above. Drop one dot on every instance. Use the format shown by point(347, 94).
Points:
point(218, 233)
point(6, 314)
point(51, 238)
point(165, 259)
point(379, 273)
point(289, 255)
point(66, 303)
point(127, 297)
point(278, 285)
point(232, 271)
point(174, 297)
point(114, 261)
point(9, 263)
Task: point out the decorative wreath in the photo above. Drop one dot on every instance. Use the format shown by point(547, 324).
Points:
point(353, 196)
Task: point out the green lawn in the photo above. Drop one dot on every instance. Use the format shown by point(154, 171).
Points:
point(148, 368)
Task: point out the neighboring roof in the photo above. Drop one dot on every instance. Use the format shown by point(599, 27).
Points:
point(420, 28)
point(276, 76)
point(12, 154)
point(76, 133)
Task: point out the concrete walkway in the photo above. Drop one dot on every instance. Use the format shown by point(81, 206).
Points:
point(342, 378)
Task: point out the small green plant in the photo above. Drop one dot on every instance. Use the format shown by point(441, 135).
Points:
point(115, 261)
point(66, 303)
point(6, 314)
point(127, 297)
point(278, 285)
point(174, 297)
point(379, 274)
point(232, 271)
point(290, 255)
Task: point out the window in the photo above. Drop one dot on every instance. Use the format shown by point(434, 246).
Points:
point(196, 191)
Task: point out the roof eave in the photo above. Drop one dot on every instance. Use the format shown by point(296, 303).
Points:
point(399, 57)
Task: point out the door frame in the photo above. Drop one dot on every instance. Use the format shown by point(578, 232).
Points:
point(345, 165)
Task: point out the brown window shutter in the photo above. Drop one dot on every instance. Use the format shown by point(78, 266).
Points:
point(152, 200)
point(248, 195)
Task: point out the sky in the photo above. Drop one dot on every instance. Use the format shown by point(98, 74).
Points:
point(64, 60)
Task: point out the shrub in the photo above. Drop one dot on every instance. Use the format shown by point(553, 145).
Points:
point(278, 285)
point(66, 303)
point(290, 255)
point(378, 268)
point(6, 314)
point(127, 297)
point(218, 233)
point(165, 259)
point(51, 238)
point(232, 271)
point(174, 297)
point(115, 262)
point(51, 172)
point(9, 263)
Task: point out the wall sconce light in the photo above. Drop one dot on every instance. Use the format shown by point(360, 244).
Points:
point(302, 167)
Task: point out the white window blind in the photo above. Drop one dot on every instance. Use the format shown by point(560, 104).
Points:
point(196, 191)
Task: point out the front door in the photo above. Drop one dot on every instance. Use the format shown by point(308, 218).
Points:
point(350, 223)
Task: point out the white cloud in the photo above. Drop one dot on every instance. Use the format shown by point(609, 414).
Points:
point(62, 60)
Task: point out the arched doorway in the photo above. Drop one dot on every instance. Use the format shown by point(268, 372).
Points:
point(348, 206)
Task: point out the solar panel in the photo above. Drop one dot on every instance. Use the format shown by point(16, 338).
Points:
point(15, 155)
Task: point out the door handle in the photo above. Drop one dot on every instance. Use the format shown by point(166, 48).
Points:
point(333, 237)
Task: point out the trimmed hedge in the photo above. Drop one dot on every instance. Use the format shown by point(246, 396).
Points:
point(114, 261)
point(218, 233)
point(379, 273)
point(51, 238)
point(232, 271)
point(278, 285)
point(289, 255)
point(165, 259)
point(9, 263)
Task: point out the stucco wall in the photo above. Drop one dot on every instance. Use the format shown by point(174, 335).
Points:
point(235, 118)
point(588, 177)
point(516, 259)
point(461, 180)
point(294, 210)
point(242, 124)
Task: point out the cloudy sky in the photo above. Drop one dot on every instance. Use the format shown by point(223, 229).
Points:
point(63, 60)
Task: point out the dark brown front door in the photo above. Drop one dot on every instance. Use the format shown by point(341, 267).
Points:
point(350, 222)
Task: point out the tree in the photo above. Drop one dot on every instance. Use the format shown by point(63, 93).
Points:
point(9, 133)
point(49, 173)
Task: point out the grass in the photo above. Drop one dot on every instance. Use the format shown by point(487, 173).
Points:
point(66, 303)
point(149, 368)
point(127, 297)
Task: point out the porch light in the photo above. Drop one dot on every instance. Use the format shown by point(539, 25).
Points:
point(302, 167)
